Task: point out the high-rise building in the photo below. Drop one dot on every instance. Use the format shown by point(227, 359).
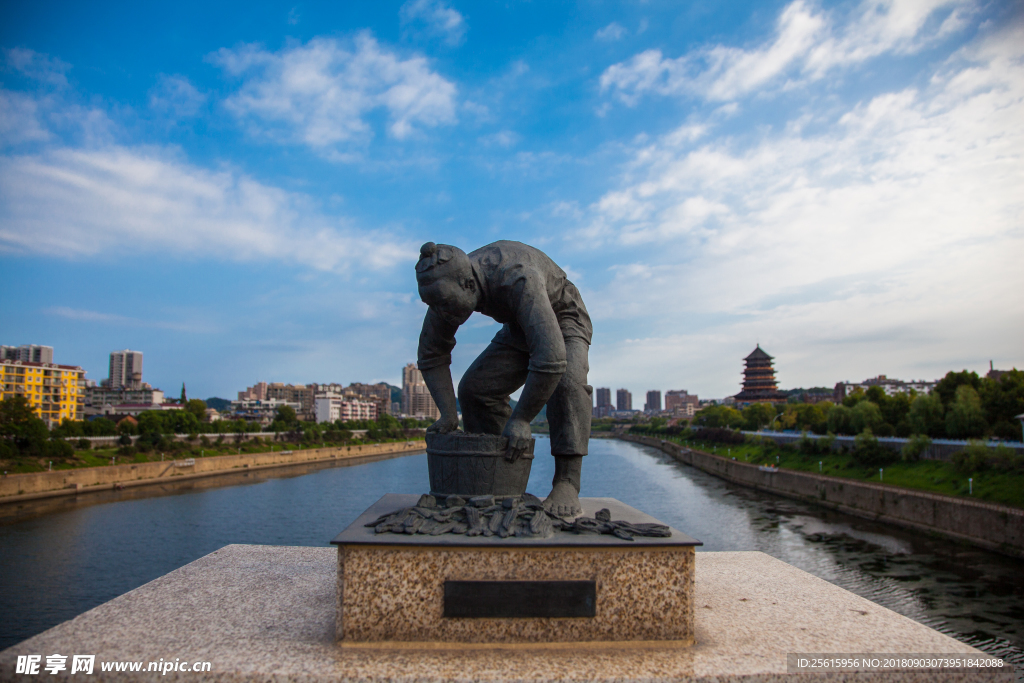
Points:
point(28, 353)
point(257, 392)
point(604, 397)
point(416, 398)
point(677, 401)
point(55, 392)
point(653, 404)
point(759, 381)
point(623, 400)
point(125, 370)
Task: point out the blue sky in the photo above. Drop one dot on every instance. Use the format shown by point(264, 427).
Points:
point(239, 190)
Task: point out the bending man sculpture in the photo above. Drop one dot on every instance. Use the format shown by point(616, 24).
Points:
point(542, 347)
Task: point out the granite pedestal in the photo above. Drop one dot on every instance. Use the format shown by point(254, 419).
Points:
point(434, 589)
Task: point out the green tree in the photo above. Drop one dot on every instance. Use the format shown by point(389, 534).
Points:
point(101, 426)
point(1002, 401)
point(854, 397)
point(965, 419)
point(196, 407)
point(840, 420)
point(759, 415)
point(152, 422)
point(866, 415)
point(927, 416)
point(719, 416)
point(946, 387)
point(19, 424)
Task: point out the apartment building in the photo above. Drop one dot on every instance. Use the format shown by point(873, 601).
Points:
point(125, 370)
point(416, 399)
point(331, 407)
point(28, 353)
point(623, 400)
point(653, 404)
point(55, 392)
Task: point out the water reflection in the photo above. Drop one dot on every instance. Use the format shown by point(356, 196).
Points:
point(60, 558)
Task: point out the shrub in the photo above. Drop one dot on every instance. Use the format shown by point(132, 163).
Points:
point(83, 444)
point(974, 458)
point(915, 447)
point(58, 449)
point(885, 429)
point(718, 435)
point(1006, 459)
point(204, 441)
point(126, 451)
point(867, 451)
point(125, 440)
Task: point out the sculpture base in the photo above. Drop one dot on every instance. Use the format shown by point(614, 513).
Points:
point(491, 590)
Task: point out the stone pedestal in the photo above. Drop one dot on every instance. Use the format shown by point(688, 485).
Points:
point(415, 588)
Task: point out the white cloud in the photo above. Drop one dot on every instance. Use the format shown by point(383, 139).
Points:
point(19, 119)
point(43, 68)
point(78, 203)
point(176, 96)
point(319, 94)
point(807, 45)
point(893, 230)
point(612, 32)
point(85, 315)
point(435, 18)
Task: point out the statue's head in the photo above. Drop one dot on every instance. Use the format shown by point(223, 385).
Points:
point(446, 283)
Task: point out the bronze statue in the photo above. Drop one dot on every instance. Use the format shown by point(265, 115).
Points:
point(542, 347)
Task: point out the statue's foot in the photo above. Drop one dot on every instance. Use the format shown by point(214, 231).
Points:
point(563, 501)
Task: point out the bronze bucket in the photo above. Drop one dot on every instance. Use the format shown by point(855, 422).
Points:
point(470, 465)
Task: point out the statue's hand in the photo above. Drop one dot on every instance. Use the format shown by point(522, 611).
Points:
point(445, 425)
point(518, 434)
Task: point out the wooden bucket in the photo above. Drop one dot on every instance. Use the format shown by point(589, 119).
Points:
point(474, 465)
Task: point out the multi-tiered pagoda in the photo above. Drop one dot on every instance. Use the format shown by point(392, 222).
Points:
point(759, 381)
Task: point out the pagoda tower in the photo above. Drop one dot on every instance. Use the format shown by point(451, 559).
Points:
point(759, 381)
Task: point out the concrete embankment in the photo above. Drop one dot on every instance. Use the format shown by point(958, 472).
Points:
point(990, 526)
point(19, 487)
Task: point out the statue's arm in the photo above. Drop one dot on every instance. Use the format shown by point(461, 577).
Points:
point(437, 339)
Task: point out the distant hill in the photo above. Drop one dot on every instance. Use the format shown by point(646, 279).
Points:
point(218, 404)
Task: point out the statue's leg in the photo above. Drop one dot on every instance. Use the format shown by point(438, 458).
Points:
point(569, 411)
point(485, 388)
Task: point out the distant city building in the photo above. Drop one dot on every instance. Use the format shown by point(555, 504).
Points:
point(257, 392)
point(125, 370)
point(604, 402)
point(331, 407)
point(680, 402)
point(891, 387)
point(27, 353)
point(101, 400)
point(416, 399)
point(814, 397)
point(136, 409)
point(759, 384)
point(301, 395)
point(379, 393)
point(55, 392)
point(260, 411)
point(994, 374)
point(623, 400)
point(653, 404)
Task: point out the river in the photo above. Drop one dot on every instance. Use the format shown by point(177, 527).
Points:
point(59, 558)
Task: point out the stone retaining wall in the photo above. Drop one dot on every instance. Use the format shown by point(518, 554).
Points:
point(990, 526)
point(17, 487)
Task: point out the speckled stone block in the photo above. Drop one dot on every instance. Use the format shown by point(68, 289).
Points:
point(391, 586)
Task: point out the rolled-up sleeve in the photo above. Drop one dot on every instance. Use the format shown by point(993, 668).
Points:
point(437, 339)
point(540, 327)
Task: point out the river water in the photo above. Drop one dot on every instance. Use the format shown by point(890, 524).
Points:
point(60, 558)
